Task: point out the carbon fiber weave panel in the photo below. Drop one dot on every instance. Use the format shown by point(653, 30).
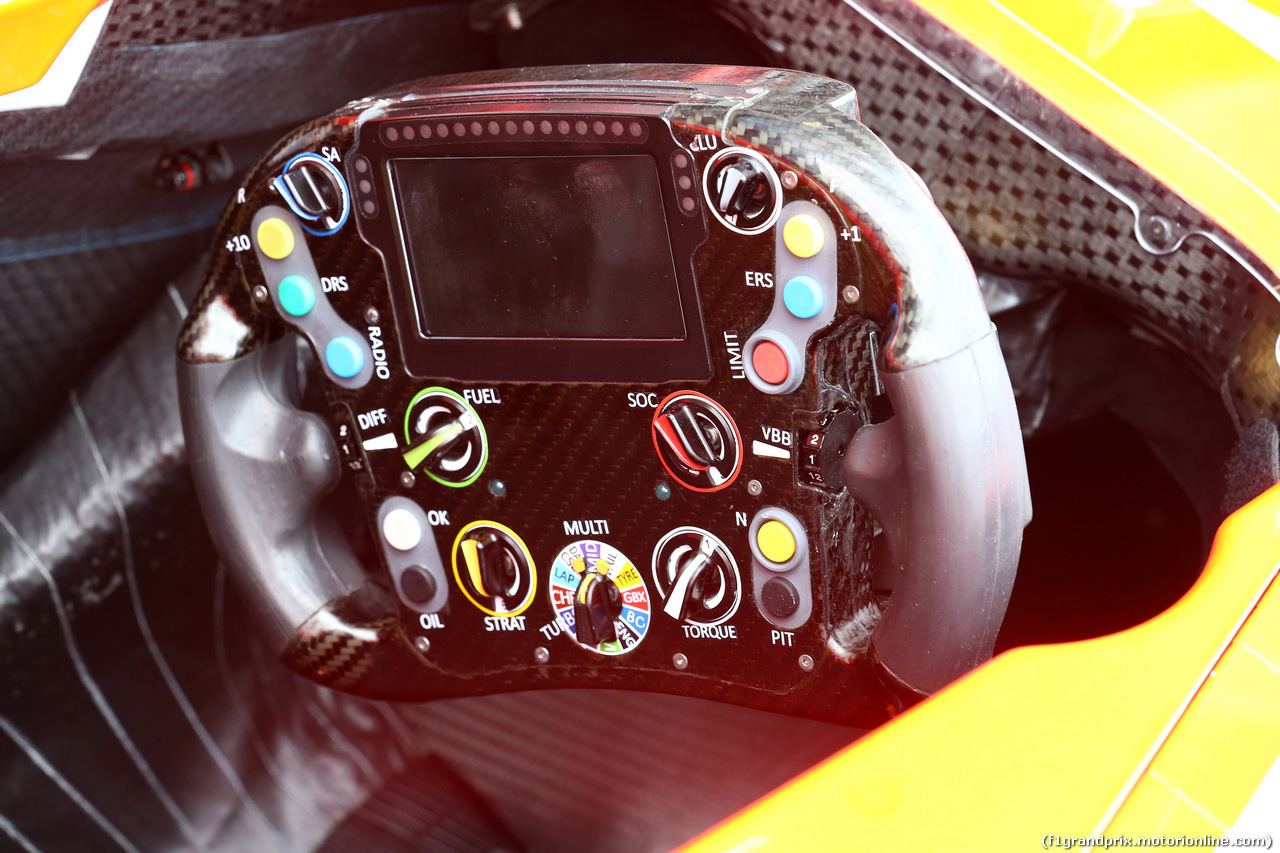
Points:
point(1021, 211)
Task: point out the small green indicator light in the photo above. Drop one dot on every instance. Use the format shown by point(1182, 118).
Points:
point(663, 491)
point(498, 487)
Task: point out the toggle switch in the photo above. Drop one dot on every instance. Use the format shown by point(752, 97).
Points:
point(316, 192)
point(685, 595)
point(313, 189)
point(595, 607)
point(697, 441)
point(445, 437)
point(698, 447)
point(599, 597)
point(436, 444)
point(743, 190)
point(697, 577)
point(494, 568)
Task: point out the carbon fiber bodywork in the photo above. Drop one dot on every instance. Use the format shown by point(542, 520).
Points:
point(1033, 194)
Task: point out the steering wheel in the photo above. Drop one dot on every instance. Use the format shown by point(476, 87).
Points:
point(627, 364)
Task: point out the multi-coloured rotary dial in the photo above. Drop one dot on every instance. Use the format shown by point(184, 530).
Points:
point(599, 597)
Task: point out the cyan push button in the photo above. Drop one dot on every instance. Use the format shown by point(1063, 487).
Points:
point(344, 357)
point(297, 296)
point(803, 297)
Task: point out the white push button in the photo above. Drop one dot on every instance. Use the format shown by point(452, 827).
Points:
point(401, 530)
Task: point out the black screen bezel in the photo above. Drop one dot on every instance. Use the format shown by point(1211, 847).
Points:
point(532, 359)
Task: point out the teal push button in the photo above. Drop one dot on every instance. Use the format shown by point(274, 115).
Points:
point(803, 297)
point(344, 356)
point(297, 296)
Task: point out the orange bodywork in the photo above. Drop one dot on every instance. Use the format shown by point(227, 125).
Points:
point(1164, 729)
point(1187, 90)
point(1167, 728)
point(32, 34)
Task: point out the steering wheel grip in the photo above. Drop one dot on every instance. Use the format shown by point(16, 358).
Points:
point(946, 477)
point(261, 466)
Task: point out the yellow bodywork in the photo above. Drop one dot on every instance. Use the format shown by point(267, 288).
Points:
point(32, 34)
point(1189, 90)
point(1164, 729)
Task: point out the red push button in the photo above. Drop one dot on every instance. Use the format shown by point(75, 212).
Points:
point(770, 362)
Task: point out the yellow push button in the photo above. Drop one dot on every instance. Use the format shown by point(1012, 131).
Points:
point(803, 235)
point(275, 238)
point(776, 542)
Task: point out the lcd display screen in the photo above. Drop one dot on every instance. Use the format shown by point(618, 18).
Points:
point(538, 247)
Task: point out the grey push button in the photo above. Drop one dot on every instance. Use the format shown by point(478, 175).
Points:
point(805, 258)
point(780, 552)
point(291, 274)
point(401, 529)
point(411, 553)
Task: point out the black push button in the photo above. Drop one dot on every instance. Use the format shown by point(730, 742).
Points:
point(779, 598)
point(417, 585)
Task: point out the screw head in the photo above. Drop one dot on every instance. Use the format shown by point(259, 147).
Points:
point(680, 661)
point(851, 294)
point(260, 293)
point(371, 315)
point(541, 655)
point(806, 663)
point(754, 488)
point(790, 179)
point(422, 644)
point(407, 479)
point(1159, 231)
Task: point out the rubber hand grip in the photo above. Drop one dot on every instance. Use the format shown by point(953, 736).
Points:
point(261, 467)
